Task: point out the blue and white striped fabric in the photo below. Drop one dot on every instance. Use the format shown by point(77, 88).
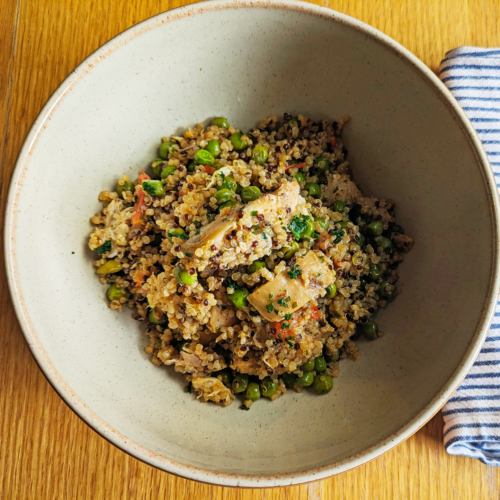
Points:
point(472, 415)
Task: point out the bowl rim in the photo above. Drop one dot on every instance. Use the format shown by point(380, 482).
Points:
point(133, 448)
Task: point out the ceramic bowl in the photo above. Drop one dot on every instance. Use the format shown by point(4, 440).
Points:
point(408, 140)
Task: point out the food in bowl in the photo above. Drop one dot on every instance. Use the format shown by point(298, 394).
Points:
point(254, 259)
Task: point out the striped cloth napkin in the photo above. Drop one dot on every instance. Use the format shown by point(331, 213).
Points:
point(472, 415)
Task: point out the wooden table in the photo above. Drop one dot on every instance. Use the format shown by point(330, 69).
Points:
point(47, 452)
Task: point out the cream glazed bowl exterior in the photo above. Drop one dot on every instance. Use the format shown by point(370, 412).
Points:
point(408, 140)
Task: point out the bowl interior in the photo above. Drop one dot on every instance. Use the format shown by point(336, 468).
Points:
point(404, 143)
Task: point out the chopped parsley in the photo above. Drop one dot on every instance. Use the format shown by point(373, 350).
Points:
point(288, 316)
point(104, 248)
point(270, 308)
point(288, 299)
point(264, 237)
point(298, 225)
point(285, 326)
point(188, 254)
point(315, 235)
point(282, 302)
point(271, 296)
point(290, 341)
point(243, 407)
point(231, 284)
point(253, 213)
point(253, 313)
point(172, 234)
point(294, 272)
point(339, 234)
point(188, 387)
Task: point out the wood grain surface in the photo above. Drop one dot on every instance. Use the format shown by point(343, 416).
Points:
point(46, 451)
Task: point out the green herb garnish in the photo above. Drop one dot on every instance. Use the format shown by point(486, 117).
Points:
point(270, 308)
point(288, 316)
point(298, 225)
point(294, 272)
point(188, 387)
point(285, 326)
point(282, 302)
point(339, 234)
point(253, 213)
point(104, 248)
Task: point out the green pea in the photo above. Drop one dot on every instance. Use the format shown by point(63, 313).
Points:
point(370, 330)
point(306, 379)
point(223, 195)
point(157, 166)
point(268, 387)
point(169, 170)
point(383, 242)
point(239, 298)
point(342, 224)
point(375, 272)
point(250, 193)
point(255, 266)
point(154, 320)
point(115, 293)
point(220, 122)
point(240, 383)
point(231, 203)
point(320, 364)
point(154, 188)
point(375, 228)
point(109, 267)
point(191, 166)
point(299, 176)
point(321, 222)
point(323, 383)
point(229, 183)
point(203, 157)
point(260, 154)
point(166, 148)
point(382, 289)
point(237, 143)
point(362, 240)
point(308, 230)
point(176, 232)
point(333, 357)
point(313, 189)
point(289, 380)
point(127, 186)
point(239, 189)
point(321, 163)
point(253, 391)
point(338, 206)
point(290, 251)
point(331, 291)
point(183, 276)
point(308, 366)
point(225, 376)
point(213, 147)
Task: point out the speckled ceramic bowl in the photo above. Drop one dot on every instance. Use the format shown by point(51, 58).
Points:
point(408, 140)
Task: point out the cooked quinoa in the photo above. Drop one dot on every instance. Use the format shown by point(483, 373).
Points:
point(253, 258)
